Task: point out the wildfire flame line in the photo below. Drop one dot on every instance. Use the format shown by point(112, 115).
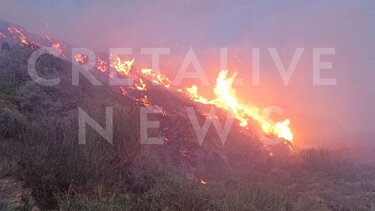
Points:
point(18, 34)
point(227, 100)
point(225, 97)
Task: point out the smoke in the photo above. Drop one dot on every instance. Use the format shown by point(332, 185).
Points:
point(319, 115)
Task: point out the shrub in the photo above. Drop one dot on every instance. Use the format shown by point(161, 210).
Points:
point(12, 124)
point(322, 159)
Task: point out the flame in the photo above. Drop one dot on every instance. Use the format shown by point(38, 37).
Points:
point(122, 66)
point(57, 46)
point(2, 35)
point(18, 34)
point(202, 181)
point(101, 65)
point(193, 93)
point(80, 58)
point(144, 101)
point(156, 77)
point(141, 86)
point(227, 100)
point(123, 90)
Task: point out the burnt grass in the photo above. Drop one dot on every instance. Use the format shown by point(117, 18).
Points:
point(39, 147)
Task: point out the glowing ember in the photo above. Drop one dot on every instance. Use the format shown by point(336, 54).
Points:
point(57, 46)
point(144, 101)
point(123, 90)
point(203, 182)
point(227, 100)
point(2, 35)
point(18, 34)
point(101, 65)
point(81, 59)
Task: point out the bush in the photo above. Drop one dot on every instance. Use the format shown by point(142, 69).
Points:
point(322, 159)
point(12, 124)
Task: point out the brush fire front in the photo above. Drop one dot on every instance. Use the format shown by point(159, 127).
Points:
point(226, 98)
point(141, 80)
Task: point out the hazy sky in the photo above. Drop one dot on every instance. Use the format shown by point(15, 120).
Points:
point(317, 113)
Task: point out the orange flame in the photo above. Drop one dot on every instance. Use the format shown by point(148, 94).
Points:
point(57, 46)
point(227, 100)
point(123, 90)
point(81, 59)
point(122, 66)
point(193, 93)
point(101, 65)
point(156, 77)
point(18, 34)
point(141, 86)
point(144, 101)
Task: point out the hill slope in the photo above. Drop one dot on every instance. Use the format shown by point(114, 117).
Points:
point(40, 149)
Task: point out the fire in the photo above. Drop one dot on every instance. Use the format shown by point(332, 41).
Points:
point(144, 101)
point(203, 182)
point(122, 66)
point(123, 90)
point(57, 46)
point(141, 86)
point(81, 59)
point(101, 65)
point(193, 93)
point(227, 100)
point(2, 35)
point(18, 34)
point(156, 77)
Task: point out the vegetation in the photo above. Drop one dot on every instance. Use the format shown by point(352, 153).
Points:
point(39, 147)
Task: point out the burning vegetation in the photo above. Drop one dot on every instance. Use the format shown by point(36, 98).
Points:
point(18, 33)
point(81, 58)
point(225, 94)
point(42, 149)
point(57, 46)
point(225, 98)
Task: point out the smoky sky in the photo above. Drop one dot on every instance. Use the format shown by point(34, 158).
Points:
point(319, 115)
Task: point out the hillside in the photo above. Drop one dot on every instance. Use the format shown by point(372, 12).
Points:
point(40, 150)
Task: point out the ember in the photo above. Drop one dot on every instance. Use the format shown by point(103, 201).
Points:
point(81, 59)
point(18, 34)
point(57, 46)
point(203, 182)
point(101, 65)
